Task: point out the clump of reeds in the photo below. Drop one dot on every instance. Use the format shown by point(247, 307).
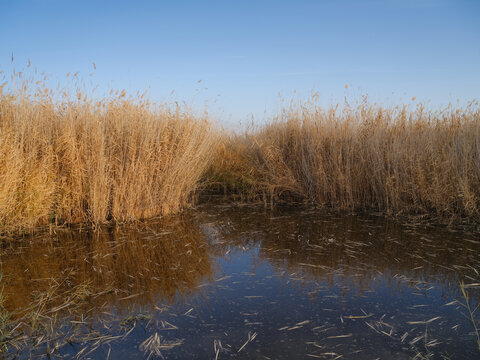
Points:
point(73, 159)
point(399, 160)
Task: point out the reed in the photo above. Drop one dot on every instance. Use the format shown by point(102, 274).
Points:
point(73, 160)
point(402, 160)
point(69, 158)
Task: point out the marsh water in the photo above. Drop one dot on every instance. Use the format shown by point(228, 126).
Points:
point(244, 282)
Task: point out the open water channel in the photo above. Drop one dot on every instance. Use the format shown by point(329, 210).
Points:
point(227, 282)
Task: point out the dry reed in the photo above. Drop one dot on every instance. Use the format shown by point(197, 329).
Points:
point(86, 160)
point(393, 160)
point(71, 159)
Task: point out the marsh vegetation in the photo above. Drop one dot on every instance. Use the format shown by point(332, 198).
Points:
point(111, 245)
point(69, 158)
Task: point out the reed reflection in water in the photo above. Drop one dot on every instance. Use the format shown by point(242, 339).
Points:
point(282, 284)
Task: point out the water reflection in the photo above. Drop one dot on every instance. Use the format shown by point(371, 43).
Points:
point(353, 248)
point(308, 283)
point(166, 259)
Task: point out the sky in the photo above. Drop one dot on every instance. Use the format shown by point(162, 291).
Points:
point(240, 58)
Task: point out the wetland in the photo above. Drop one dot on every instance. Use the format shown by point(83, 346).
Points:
point(228, 281)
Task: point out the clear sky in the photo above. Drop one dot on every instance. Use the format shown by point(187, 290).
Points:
point(247, 52)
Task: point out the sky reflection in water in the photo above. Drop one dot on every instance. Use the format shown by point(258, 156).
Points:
point(275, 285)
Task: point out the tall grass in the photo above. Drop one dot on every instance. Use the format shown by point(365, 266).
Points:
point(394, 160)
point(71, 160)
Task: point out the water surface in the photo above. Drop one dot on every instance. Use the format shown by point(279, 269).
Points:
point(243, 282)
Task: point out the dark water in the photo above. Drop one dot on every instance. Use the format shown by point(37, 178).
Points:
point(227, 282)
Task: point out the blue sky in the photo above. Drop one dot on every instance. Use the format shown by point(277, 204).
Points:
point(247, 52)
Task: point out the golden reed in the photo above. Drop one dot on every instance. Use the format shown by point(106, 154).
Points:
point(67, 159)
point(364, 157)
point(79, 160)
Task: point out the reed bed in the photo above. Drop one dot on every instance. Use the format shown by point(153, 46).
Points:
point(402, 160)
point(74, 159)
point(66, 157)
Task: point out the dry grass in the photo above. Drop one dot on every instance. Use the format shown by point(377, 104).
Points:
point(72, 159)
point(88, 160)
point(393, 160)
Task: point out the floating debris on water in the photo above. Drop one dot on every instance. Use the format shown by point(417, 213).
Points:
point(226, 281)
